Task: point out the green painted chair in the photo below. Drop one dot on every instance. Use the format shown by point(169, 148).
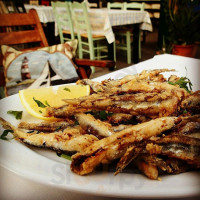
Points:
point(128, 34)
point(115, 5)
point(88, 43)
point(125, 34)
point(63, 19)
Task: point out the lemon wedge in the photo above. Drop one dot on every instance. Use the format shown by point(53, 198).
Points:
point(35, 101)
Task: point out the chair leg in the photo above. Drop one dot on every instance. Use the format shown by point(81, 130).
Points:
point(80, 52)
point(98, 51)
point(128, 44)
point(92, 55)
point(114, 51)
point(139, 46)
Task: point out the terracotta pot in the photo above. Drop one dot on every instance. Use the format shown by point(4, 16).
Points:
point(183, 50)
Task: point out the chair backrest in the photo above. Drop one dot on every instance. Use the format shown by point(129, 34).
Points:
point(115, 5)
point(22, 28)
point(134, 6)
point(81, 19)
point(63, 17)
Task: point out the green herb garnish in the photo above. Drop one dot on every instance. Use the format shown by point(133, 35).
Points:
point(184, 83)
point(39, 103)
point(58, 128)
point(76, 123)
point(5, 133)
point(47, 103)
point(67, 89)
point(62, 155)
point(102, 115)
point(30, 131)
point(185, 111)
point(17, 114)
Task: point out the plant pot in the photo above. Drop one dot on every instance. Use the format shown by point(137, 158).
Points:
point(183, 50)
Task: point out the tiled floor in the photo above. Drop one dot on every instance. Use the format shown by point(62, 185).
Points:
point(149, 49)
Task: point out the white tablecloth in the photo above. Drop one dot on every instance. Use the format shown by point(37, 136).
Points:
point(102, 19)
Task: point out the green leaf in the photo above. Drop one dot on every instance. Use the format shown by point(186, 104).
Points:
point(62, 155)
point(17, 114)
point(185, 111)
point(67, 89)
point(76, 123)
point(31, 131)
point(5, 133)
point(47, 103)
point(58, 128)
point(102, 115)
point(39, 103)
point(184, 83)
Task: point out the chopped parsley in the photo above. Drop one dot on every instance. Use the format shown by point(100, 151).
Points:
point(31, 131)
point(39, 103)
point(5, 133)
point(67, 89)
point(102, 115)
point(58, 128)
point(47, 103)
point(62, 155)
point(16, 114)
point(185, 111)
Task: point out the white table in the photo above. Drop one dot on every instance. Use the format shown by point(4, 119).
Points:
point(102, 20)
point(15, 186)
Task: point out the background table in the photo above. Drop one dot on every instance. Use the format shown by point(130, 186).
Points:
point(102, 20)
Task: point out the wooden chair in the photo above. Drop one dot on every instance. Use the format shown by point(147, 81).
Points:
point(63, 20)
point(125, 34)
point(89, 43)
point(34, 38)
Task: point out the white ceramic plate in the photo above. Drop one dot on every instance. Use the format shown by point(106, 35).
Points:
point(45, 167)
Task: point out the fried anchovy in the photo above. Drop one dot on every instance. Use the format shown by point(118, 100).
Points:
point(94, 126)
point(46, 126)
point(189, 126)
point(69, 140)
point(113, 147)
point(145, 75)
point(183, 138)
point(149, 104)
point(97, 127)
point(176, 146)
point(106, 85)
point(192, 103)
point(95, 86)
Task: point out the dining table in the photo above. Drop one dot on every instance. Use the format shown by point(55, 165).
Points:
point(102, 22)
point(36, 174)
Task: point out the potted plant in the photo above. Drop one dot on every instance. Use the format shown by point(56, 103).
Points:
point(183, 20)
